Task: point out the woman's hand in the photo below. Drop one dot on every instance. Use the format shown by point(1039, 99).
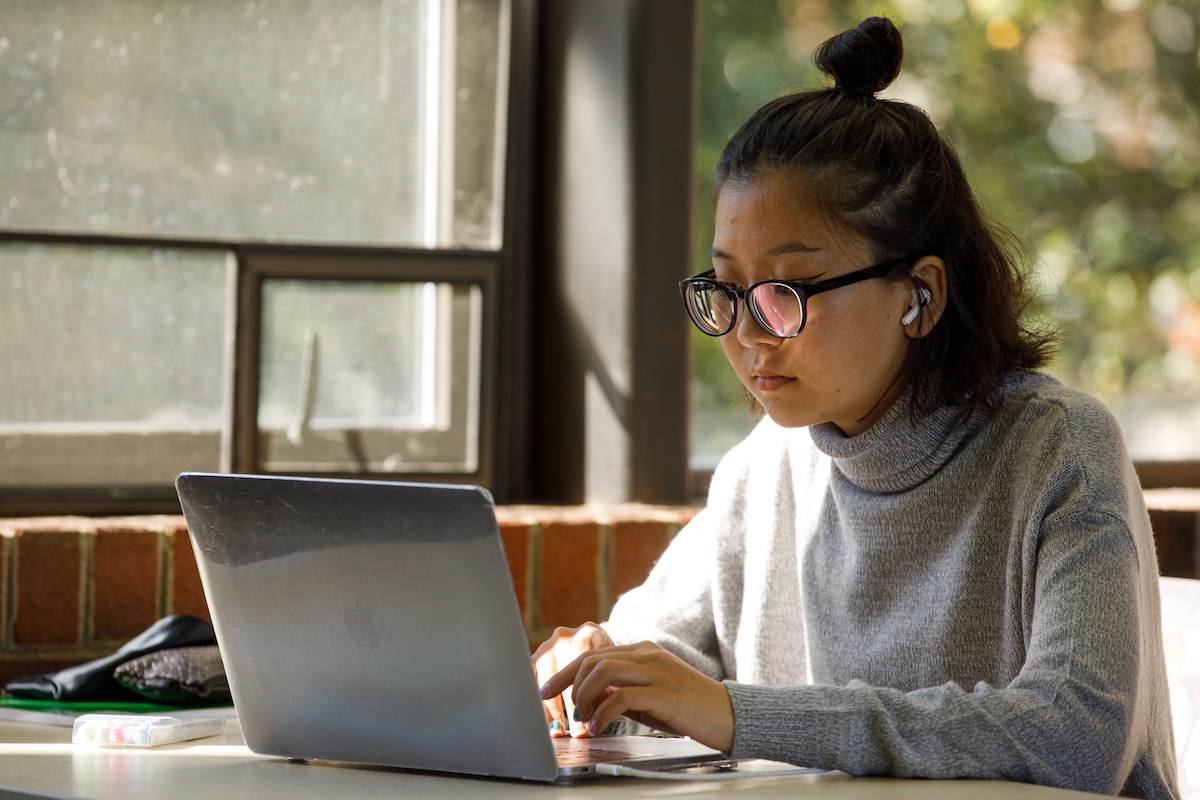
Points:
point(646, 683)
point(562, 648)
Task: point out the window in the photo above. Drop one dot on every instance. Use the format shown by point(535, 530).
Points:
point(342, 360)
point(113, 363)
point(1078, 128)
point(254, 236)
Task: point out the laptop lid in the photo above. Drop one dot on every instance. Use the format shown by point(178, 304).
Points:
point(368, 622)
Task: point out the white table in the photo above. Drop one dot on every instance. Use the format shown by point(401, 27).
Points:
point(40, 759)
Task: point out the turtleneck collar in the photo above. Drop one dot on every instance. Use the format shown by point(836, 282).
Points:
point(896, 454)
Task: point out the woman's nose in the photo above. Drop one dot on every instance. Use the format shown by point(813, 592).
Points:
point(748, 332)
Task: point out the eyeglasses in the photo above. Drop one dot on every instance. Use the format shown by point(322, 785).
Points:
point(779, 307)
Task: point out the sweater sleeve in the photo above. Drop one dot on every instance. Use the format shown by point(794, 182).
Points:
point(674, 606)
point(687, 596)
point(1067, 719)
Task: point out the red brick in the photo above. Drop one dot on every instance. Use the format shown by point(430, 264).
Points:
point(516, 549)
point(187, 597)
point(570, 595)
point(124, 583)
point(47, 588)
point(636, 548)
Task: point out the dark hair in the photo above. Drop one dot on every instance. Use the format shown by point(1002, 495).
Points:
point(879, 169)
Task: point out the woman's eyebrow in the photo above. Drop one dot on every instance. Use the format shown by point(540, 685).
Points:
point(792, 247)
point(777, 250)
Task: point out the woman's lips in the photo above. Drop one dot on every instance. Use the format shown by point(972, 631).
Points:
point(769, 383)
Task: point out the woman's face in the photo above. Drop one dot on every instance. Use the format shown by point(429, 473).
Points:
point(844, 366)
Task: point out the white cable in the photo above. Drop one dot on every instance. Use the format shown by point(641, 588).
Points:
point(631, 772)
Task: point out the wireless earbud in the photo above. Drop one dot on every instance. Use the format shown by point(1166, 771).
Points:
point(920, 299)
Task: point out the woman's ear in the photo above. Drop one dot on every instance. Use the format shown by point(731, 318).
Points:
point(928, 276)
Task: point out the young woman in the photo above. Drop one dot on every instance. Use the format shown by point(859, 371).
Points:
point(929, 560)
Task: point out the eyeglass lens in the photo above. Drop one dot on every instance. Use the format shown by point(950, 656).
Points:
point(778, 306)
point(775, 307)
point(711, 309)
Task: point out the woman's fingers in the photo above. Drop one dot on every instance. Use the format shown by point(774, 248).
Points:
point(595, 673)
point(643, 681)
point(653, 686)
point(628, 700)
point(587, 638)
point(545, 668)
point(554, 693)
point(555, 654)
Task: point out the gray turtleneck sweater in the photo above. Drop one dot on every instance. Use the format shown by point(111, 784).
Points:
point(946, 599)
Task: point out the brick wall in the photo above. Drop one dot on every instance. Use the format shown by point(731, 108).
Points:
point(74, 588)
point(570, 564)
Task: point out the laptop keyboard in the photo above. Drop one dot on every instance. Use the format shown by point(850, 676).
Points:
point(581, 752)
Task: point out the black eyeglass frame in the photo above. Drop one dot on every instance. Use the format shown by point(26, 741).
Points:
point(802, 290)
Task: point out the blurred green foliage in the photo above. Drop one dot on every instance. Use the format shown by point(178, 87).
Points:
point(1077, 123)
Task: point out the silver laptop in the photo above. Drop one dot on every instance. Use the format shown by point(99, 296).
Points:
point(376, 623)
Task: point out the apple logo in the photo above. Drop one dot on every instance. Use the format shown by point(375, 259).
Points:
point(358, 623)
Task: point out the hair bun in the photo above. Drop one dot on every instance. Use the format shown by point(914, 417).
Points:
point(864, 59)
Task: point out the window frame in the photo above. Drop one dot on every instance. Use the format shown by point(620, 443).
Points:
point(443, 266)
point(254, 263)
point(502, 275)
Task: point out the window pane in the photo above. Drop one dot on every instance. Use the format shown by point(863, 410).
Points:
point(369, 376)
point(347, 121)
point(1079, 131)
point(480, 95)
point(112, 361)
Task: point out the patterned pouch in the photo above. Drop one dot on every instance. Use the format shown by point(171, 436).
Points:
point(185, 676)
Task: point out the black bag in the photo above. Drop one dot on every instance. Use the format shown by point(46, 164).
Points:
point(94, 680)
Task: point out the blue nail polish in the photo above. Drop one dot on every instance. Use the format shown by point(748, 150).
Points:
point(575, 714)
point(555, 726)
